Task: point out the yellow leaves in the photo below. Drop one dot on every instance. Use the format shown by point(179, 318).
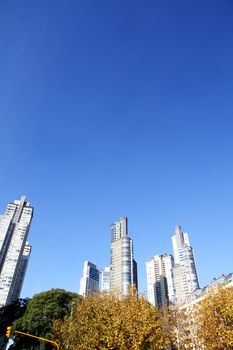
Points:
point(215, 319)
point(102, 322)
point(208, 325)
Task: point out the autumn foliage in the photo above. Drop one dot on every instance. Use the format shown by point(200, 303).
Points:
point(105, 321)
point(206, 325)
point(102, 321)
point(214, 317)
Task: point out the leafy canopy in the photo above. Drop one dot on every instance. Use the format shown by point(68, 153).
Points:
point(40, 313)
point(103, 321)
point(214, 316)
point(207, 325)
point(10, 313)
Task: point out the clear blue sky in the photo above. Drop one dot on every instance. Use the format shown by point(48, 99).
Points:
point(111, 108)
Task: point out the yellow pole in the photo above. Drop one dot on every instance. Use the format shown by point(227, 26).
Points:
point(40, 338)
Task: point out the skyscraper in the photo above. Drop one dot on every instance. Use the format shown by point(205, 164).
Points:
point(105, 279)
point(184, 271)
point(14, 249)
point(21, 271)
point(160, 286)
point(123, 268)
point(89, 282)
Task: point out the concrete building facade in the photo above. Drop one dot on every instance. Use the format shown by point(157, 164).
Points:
point(160, 288)
point(184, 271)
point(14, 249)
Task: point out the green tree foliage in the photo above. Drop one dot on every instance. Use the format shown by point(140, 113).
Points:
point(10, 313)
point(103, 321)
point(40, 314)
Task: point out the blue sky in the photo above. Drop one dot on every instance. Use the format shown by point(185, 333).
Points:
point(112, 108)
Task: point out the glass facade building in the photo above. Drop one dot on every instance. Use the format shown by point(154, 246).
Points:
point(123, 267)
point(89, 282)
point(105, 279)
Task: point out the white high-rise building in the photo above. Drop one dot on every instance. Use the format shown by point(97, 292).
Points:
point(184, 271)
point(89, 282)
point(22, 271)
point(14, 249)
point(105, 279)
point(123, 268)
point(160, 286)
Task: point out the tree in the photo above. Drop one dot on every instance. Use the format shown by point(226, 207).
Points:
point(10, 313)
point(206, 325)
point(40, 313)
point(214, 317)
point(103, 321)
point(180, 328)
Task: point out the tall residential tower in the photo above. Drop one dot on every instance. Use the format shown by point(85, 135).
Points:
point(160, 280)
point(14, 249)
point(184, 271)
point(123, 267)
point(105, 279)
point(89, 282)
